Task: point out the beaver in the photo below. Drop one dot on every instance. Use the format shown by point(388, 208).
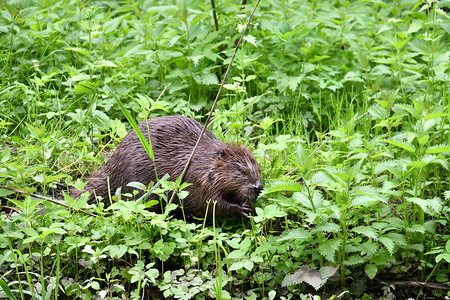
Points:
point(226, 173)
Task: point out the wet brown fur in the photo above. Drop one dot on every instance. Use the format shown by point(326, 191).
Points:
point(226, 173)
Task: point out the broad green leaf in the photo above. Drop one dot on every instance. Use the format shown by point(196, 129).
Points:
point(247, 264)
point(269, 212)
point(313, 204)
point(100, 120)
point(444, 256)
point(410, 109)
point(236, 254)
point(116, 251)
point(84, 87)
point(272, 211)
point(30, 231)
point(80, 77)
point(371, 270)
point(435, 204)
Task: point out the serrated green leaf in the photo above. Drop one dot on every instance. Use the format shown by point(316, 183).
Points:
point(369, 248)
point(103, 63)
point(406, 146)
point(78, 50)
point(401, 44)
point(354, 260)
point(399, 239)
point(327, 227)
point(209, 79)
point(100, 120)
point(410, 109)
point(296, 234)
point(414, 26)
point(422, 203)
point(251, 39)
point(416, 228)
point(442, 148)
point(363, 201)
point(388, 243)
point(367, 231)
point(320, 177)
point(379, 112)
point(269, 212)
point(282, 185)
point(329, 247)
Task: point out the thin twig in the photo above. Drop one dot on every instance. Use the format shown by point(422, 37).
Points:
point(46, 199)
point(160, 95)
point(188, 163)
point(216, 23)
point(320, 146)
point(431, 285)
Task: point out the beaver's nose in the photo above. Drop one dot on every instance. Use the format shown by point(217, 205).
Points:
point(258, 188)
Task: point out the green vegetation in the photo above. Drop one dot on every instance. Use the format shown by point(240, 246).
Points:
point(345, 104)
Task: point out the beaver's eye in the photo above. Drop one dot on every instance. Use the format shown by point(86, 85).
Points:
point(242, 172)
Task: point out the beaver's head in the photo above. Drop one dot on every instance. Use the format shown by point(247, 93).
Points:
point(238, 177)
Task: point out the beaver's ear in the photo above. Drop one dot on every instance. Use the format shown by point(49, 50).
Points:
point(222, 153)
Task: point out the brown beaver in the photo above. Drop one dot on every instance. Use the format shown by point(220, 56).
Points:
point(226, 173)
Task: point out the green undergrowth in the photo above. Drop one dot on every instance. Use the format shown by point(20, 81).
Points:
point(345, 105)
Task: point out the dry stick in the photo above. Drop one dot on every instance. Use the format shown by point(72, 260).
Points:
point(47, 199)
point(188, 163)
point(430, 285)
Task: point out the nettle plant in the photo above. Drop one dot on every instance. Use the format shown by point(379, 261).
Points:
point(369, 204)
